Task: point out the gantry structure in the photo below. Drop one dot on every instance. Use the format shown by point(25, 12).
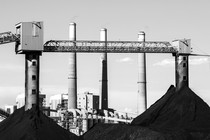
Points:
point(29, 41)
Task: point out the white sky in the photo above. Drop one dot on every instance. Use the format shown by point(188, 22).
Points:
point(162, 20)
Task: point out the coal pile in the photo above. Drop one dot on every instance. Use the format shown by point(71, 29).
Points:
point(177, 115)
point(177, 110)
point(32, 125)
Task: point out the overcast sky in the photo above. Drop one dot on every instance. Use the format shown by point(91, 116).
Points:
point(162, 20)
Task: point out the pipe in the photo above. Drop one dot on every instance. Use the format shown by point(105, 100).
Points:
point(142, 92)
point(72, 76)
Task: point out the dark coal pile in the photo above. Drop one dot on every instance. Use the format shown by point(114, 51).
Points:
point(181, 111)
point(178, 115)
point(127, 132)
point(28, 125)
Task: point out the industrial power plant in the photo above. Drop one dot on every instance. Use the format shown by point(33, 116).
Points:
point(79, 123)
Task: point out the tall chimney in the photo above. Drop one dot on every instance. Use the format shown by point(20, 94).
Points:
point(104, 79)
point(142, 92)
point(72, 76)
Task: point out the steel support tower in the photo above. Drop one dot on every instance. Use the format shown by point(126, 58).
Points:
point(32, 64)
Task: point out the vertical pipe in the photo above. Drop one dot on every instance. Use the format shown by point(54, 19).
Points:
point(104, 79)
point(182, 71)
point(32, 80)
point(85, 123)
point(142, 93)
point(72, 77)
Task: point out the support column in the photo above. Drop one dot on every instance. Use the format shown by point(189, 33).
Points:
point(32, 80)
point(182, 71)
point(142, 92)
point(104, 79)
point(72, 77)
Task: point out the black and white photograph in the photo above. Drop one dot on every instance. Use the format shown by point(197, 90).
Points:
point(104, 70)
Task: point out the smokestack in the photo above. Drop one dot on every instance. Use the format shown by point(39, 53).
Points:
point(72, 77)
point(142, 93)
point(32, 80)
point(104, 79)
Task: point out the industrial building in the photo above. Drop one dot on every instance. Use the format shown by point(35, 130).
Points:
point(20, 100)
point(88, 101)
point(10, 108)
point(55, 103)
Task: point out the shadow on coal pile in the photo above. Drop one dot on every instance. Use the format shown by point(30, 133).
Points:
point(28, 125)
point(178, 115)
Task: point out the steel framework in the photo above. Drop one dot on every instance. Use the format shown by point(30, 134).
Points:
point(98, 46)
point(8, 37)
point(112, 46)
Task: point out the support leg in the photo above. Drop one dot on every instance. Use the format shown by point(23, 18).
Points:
point(32, 80)
point(182, 71)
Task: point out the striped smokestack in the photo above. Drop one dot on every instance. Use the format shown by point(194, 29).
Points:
point(72, 76)
point(142, 92)
point(104, 79)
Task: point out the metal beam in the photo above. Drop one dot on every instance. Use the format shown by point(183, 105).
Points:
point(112, 46)
point(8, 37)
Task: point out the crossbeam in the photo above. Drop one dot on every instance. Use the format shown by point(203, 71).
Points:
point(8, 37)
point(112, 46)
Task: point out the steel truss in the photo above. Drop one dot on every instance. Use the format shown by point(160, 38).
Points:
point(109, 46)
point(8, 37)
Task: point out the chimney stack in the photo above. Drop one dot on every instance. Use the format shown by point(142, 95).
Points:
point(72, 76)
point(142, 92)
point(104, 79)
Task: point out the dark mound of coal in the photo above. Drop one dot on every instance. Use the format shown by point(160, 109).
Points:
point(177, 110)
point(32, 125)
point(178, 115)
point(128, 132)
